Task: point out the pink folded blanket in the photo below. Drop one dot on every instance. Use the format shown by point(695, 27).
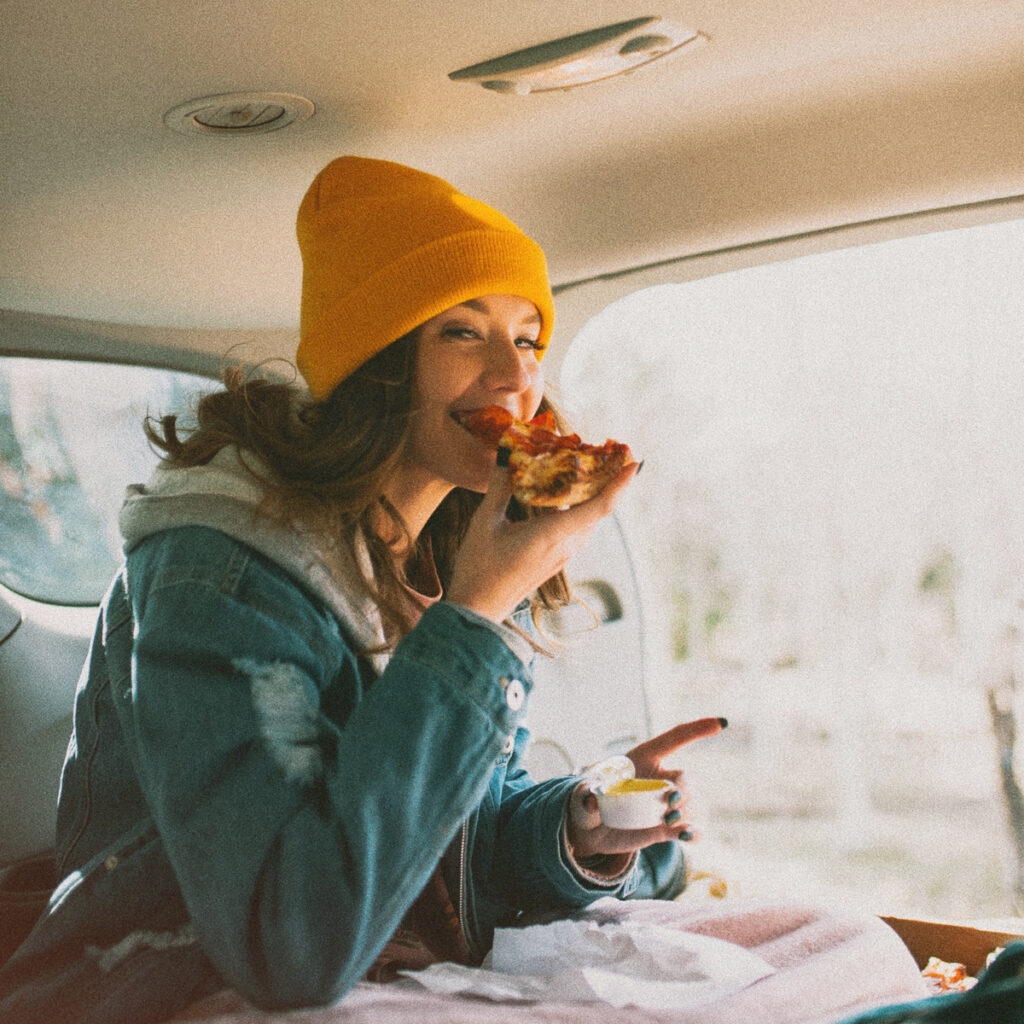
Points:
point(828, 966)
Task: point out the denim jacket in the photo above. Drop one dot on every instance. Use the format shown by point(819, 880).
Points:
point(249, 800)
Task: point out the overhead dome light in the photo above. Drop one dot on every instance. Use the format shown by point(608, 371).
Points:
point(582, 58)
point(239, 113)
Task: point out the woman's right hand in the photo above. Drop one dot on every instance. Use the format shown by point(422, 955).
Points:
point(501, 562)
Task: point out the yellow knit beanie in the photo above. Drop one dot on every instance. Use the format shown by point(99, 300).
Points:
point(385, 248)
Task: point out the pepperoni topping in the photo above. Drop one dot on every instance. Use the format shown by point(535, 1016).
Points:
point(498, 428)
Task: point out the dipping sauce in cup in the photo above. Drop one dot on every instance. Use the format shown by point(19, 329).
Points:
point(628, 802)
point(632, 803)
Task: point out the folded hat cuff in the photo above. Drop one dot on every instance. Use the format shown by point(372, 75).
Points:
point(344, 333)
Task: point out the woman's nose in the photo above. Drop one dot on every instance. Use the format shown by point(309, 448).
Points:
point(509, 368)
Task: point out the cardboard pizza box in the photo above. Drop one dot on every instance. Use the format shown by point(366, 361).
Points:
point(954, 943)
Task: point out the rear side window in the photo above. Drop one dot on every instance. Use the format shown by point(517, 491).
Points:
point(71, 440)
point(830, 527)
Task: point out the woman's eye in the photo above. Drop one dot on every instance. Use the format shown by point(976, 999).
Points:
point(465, 333)
point(460, 332)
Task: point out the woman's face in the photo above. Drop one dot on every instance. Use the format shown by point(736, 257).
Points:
point(481, 352)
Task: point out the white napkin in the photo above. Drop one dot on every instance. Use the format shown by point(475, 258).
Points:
point(619, 963)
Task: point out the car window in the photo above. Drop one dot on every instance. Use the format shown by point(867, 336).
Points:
point(830, 531)
point(71, 440)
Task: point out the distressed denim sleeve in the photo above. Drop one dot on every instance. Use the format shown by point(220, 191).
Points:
point(299, 840)
point(531, 859)
point(537, 871)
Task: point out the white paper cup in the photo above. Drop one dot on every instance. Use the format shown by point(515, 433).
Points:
point(633, 803)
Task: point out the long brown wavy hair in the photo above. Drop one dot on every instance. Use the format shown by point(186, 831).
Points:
point(329, 463)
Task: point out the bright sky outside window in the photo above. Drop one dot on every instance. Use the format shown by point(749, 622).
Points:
point(71, 440)
point(831, 526)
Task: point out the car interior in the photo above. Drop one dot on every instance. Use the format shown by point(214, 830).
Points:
point(673, 162)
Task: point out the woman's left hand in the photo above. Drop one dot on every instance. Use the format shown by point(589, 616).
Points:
point(500, 562)
point(589, 837)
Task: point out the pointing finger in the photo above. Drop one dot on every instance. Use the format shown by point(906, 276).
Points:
point(653, 750)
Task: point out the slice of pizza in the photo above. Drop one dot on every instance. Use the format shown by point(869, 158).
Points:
point(549, 469)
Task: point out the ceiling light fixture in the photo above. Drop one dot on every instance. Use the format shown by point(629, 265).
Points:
point(582, 58)
point(239, 113)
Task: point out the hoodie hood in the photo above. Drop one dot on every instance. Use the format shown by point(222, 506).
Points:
point(225, 495)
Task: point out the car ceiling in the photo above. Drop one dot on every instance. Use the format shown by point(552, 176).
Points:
point(793, 116)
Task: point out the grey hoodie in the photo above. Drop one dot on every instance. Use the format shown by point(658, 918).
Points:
point(225, 494)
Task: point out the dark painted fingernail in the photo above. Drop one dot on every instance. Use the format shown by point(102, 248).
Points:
point(639, 466)
point(675, 798)
point(672, 817)
point(723, 722)
point(685, 836)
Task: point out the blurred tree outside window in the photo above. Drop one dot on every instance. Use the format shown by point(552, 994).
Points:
point(71, 440)
point(831, 534)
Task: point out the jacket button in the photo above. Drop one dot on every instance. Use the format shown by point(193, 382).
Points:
point(510, 744)
point(515, 694)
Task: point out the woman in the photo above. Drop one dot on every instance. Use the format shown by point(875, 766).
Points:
point(296, 750)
